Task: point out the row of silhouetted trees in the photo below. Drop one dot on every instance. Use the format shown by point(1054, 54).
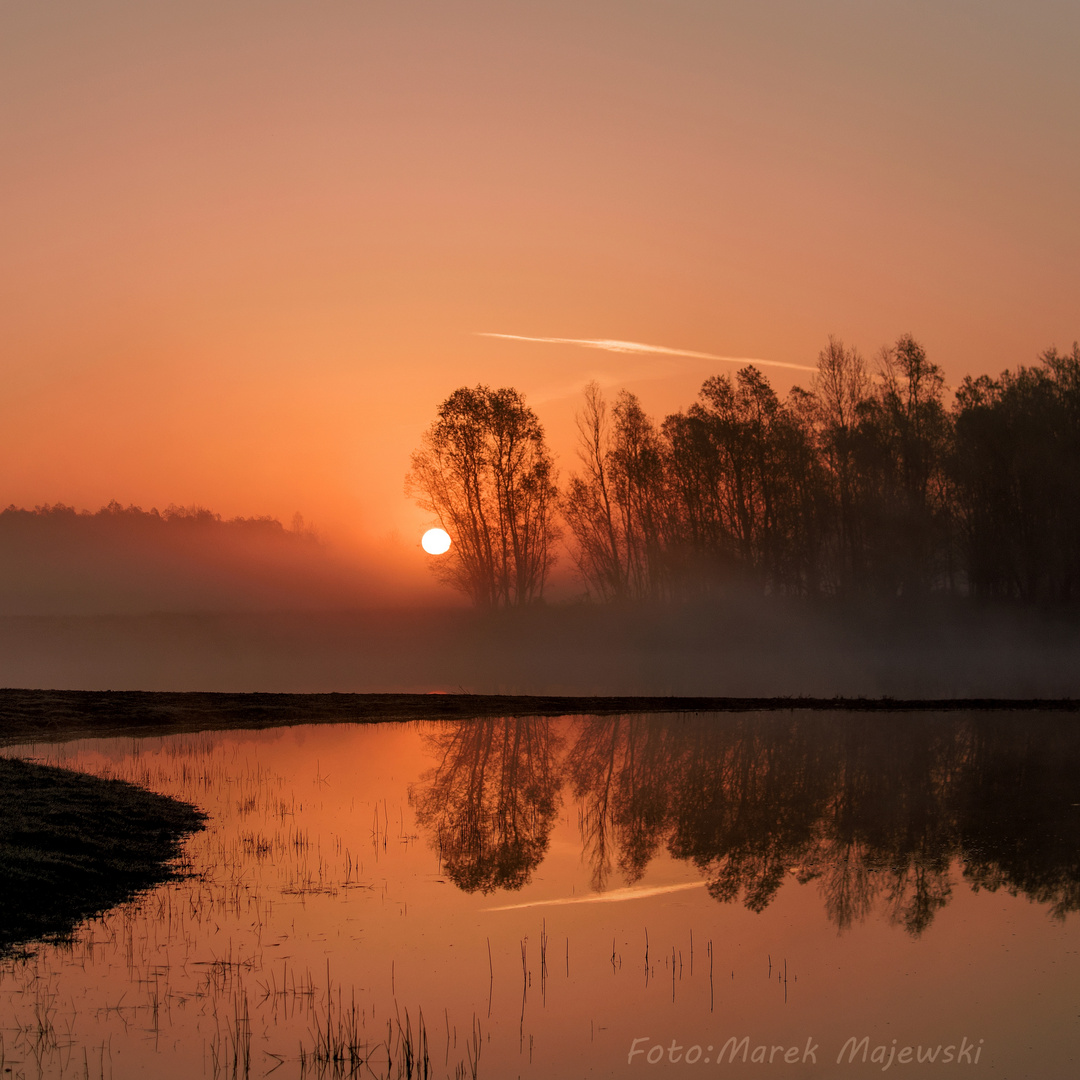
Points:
point(869, 484)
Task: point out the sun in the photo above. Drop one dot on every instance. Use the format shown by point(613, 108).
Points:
point(435, 541)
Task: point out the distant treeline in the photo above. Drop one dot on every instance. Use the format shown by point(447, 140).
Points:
point(56, 560)
point(115, 518)
point(866, 485)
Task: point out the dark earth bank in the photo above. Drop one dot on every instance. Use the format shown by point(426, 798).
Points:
point(73, 845)
point(28, 716)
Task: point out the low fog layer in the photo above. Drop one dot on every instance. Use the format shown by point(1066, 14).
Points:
point(127, 599)
point(749, 647)
point(125, 560)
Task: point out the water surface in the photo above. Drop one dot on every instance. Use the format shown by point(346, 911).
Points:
point(535, 897)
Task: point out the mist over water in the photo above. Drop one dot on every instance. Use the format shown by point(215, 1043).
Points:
point(749, 647)
point(182, 600)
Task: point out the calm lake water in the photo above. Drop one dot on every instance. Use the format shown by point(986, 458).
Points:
point(585, 897)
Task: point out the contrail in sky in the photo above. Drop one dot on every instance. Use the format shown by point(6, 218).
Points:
point(612, 897)
point(637, 347)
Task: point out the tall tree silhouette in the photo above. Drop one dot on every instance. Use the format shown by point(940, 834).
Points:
point(839, 393)
point(903, 448)
point(742, 470)
point(484, 470)
point(1017, 467)
point(591, 504)
point(616, 506)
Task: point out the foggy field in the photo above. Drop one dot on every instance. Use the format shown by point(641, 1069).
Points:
point(752, 649)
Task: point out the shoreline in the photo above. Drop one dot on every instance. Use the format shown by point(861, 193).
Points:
point(73, 846)
point(28, 716)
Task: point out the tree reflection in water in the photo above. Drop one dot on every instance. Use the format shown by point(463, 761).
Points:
point(491, 801)
point(873, 808)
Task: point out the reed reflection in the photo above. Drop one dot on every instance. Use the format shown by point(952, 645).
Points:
point(491, 801)
point(873, 809)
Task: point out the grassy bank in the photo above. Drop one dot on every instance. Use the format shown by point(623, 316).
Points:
point(28, 716)
point(73, 845)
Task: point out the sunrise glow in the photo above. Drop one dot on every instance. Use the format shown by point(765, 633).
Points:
point(554, 527)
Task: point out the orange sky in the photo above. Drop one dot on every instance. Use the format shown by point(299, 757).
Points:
point(247, 249)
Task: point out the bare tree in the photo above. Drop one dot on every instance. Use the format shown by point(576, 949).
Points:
point(637, 460)
point(903, 446)
point(614, 507)
point(841, 388)
point(484, 470)
point(590, 506)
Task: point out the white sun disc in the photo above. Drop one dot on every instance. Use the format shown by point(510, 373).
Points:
point(435, 541)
